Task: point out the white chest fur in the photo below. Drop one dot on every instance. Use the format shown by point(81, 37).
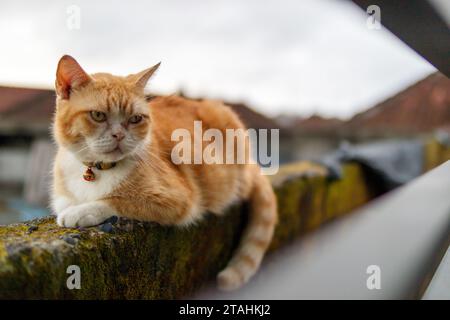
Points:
point(105, 180)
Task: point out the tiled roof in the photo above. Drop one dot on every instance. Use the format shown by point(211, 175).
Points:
point(317, 123)
point(25, 110)
point(253, 119)
point(31, 110)
point(421, 107)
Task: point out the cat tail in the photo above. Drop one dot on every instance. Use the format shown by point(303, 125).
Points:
point(257, 236)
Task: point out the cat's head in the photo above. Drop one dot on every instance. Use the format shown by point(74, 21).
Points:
point(101, 117)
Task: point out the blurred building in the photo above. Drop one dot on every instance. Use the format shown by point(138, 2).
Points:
point(419, 110)
point(26, 150)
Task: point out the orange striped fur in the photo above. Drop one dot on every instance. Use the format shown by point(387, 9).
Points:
point(146, 184)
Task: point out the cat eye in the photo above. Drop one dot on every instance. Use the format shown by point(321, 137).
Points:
point(135, 119)
point(98, 116)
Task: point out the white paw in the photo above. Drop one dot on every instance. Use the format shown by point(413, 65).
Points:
point(84, 215)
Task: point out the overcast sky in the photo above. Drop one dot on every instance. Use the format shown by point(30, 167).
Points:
point(290, 56)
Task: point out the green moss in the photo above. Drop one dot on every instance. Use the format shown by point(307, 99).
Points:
point(435, 154)
point(348, 193)
point(147, 261)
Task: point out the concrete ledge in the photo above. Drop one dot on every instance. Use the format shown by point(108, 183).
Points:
point(401, 235)
point(136, 260)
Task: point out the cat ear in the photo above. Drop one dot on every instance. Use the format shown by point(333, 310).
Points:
point(69, 75)
point(143, 76)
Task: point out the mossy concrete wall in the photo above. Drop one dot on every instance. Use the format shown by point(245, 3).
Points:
point(131, 259)
point(435, 153)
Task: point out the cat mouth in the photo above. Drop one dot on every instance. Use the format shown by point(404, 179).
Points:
point(115, 150)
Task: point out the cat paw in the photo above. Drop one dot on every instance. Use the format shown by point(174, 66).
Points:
point(84, 215)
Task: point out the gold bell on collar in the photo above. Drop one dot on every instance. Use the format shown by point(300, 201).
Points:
point(89, 175)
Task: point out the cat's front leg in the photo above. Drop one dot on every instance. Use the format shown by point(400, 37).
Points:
point(59, 203)
point(85, 215)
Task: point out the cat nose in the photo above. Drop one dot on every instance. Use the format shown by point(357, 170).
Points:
point(118, 136)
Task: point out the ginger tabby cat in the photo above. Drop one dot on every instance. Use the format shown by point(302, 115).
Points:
point(114, 158)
